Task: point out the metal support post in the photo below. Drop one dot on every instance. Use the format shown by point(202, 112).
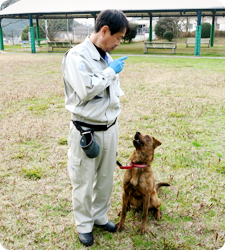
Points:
point(212, 32)
point(95, 17)
point(38, 32)
point(1, 37)
point(32, 36)
point(198, 34)
point(150, 28)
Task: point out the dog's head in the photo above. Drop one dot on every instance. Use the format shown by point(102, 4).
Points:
point(145, 146)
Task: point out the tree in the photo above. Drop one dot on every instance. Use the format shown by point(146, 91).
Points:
point(176, 26)
point(132, 34)
point(168, 24)
point(24, 34)
point(54, 26)
point(164, 24)
point(206, 27)
point(185, 22)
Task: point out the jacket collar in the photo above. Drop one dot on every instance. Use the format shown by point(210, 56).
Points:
point(92, 50)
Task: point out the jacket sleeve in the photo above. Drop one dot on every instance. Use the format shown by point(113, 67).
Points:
point(85, 80)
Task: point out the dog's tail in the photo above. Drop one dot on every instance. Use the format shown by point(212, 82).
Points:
point(161, 184)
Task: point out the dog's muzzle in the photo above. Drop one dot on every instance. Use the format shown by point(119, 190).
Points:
point(137, 143)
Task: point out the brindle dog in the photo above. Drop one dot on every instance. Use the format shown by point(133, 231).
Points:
point(139, 189)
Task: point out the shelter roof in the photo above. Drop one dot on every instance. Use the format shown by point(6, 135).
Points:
point(43, 9)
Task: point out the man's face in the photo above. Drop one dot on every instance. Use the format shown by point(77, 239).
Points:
point(112, 41)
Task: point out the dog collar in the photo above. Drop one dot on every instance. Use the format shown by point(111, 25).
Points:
point(132, 165)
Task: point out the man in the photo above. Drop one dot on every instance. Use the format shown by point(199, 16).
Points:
point(92, 92)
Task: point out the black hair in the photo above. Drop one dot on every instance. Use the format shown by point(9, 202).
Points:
point(114, 19)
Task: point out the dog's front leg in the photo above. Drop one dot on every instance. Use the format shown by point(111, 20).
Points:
point(125, 207)
point(156, 203)
point(144, 218)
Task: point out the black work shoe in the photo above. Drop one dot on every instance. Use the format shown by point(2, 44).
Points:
point(110, 227)
point(86, 239)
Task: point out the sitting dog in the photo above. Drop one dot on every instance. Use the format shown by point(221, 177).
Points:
point(139, 189)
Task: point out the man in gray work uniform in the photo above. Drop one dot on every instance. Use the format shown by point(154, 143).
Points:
point(92, 90)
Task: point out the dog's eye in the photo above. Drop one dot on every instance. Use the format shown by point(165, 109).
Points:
point(147, 137)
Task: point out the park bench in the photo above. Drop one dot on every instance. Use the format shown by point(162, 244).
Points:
point(160, 45)
point(27, 44)
point(39, 40)
point(191, 41)
point(57, 44)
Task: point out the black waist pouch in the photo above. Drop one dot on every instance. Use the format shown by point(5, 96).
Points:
point(88, 142)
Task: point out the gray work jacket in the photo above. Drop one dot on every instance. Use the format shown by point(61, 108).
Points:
point(92, 89)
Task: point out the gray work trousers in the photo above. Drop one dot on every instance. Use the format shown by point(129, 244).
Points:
point(92, 179)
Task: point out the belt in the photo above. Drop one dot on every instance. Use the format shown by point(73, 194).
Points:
point(94, 127)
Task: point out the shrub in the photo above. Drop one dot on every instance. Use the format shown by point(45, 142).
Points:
point(219, 33)
point(206, 27)
point(168, 35)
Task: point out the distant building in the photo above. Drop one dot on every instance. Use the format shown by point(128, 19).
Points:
point(143, 28)
point(79, 33)
point(143, 25)
point(219, 22)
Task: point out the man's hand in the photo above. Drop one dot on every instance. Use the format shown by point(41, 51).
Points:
point(118, 64)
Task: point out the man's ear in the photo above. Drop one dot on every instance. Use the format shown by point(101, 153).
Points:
point(156, 143)
point(104, 30)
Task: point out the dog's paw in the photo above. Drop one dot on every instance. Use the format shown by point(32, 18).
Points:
point(119, 227)
point(141, 230)
point(158, 216)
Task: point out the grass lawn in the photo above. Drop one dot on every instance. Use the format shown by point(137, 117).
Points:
point(137, 48)
point(180, 101)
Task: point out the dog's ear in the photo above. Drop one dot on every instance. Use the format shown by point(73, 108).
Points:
point(156, 143)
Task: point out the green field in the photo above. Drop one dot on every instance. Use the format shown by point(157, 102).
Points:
point(137, 48)
point(180, 101)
